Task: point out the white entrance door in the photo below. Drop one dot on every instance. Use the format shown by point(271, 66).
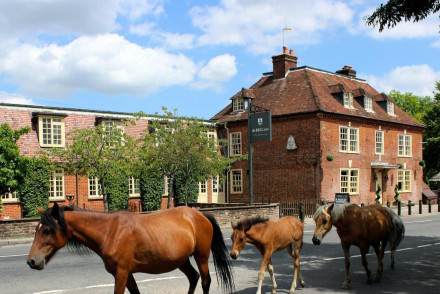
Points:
point(379, 184)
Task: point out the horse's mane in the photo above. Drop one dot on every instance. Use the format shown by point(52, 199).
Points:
point(73, 244)
point(337, 212)
point(250, 221)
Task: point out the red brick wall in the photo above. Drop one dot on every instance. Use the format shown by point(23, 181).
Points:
point(19, 117)
point(331, 169)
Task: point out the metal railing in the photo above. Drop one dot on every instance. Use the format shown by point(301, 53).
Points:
point(300, 208)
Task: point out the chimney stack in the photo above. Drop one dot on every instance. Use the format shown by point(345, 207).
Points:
point(282, 63)
point(348, 71)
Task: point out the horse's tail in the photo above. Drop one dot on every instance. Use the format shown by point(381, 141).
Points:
point(397, 230)
point(220, 255)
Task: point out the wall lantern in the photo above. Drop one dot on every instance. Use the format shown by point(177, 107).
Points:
point(291, 145)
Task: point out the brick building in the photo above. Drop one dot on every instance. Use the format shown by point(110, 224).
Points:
point(331, 133)
point(49, 127)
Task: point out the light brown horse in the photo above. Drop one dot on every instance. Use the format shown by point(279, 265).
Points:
point(269, 236)
point(363, 227)
point(130, 242)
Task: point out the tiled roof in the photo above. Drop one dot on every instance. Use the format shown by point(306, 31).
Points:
point(307, 89)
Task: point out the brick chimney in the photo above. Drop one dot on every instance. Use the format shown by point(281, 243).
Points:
point(348, 71)
point(282, 63)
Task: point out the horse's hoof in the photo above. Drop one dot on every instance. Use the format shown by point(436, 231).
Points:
point(303, 283)
point(345, 287)
point(274, 292)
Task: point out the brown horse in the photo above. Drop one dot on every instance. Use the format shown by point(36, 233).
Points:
point(363, 227)
point(130, 242)
point(268, 237)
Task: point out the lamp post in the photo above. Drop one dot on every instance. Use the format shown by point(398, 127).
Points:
point(70, 198)
point(251, 188)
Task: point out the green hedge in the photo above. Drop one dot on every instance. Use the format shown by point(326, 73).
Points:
point(151, 186)
point(35, 189)
point(180, 190)
point(117, 191)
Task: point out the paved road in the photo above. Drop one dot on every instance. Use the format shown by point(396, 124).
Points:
point(417, 269)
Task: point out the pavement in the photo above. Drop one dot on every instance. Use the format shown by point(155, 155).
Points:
point(405, 212)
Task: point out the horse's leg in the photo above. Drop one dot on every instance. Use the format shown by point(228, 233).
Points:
point(347, 281)
point(364, 250)
point(202, 264)
point(272, 276)
point(121, 278)
point(266, 258)
point(380, 256)
point(191, 274)
point(131, 285)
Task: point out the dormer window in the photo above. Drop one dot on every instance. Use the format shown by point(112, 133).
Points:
point(238, 104)
point(368, 104)
point(390, 108)
point(348, 100)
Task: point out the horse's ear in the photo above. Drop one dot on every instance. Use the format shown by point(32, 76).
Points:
point(233, 226)
point(330, 208)
point(40, 210)
point(55, 211)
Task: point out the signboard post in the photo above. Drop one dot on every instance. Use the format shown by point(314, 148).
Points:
point(259, 129)
point(342, 198)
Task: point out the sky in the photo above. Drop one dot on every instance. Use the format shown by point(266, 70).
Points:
point(191, 56)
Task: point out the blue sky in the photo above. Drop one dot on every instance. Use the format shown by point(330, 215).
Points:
point(192, 56)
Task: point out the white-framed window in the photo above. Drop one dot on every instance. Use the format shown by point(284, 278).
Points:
point(348, 140)
point(51, 131)
point(349, 181)
point(217, 185)
point(238, 104)
point(404, 145)
point(95, 190)
point(236, 181)
point(348, 100)
point(10, 197)
point(368, 104)
point(404, 180)
point(202, 187)
point(134, 188)
point(113, 129)
point(235, 144)
point(379, 142)
point(390, 108)
point(56, 189)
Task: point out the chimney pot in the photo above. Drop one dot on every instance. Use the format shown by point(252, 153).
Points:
point(285, 49)
point(291, 52)
point(348, 71)
point(283, 62)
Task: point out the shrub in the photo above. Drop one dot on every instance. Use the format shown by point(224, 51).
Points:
point(151, 186)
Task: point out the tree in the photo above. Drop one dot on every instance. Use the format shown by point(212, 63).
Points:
point(182, 146)
point(415, 106)
point(97, 152)
point(11, 175)
point(431, 136)
point(394, 11)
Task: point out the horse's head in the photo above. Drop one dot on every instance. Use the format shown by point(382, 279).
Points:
point(323, 221)
point(49, 238)
point(238, 238)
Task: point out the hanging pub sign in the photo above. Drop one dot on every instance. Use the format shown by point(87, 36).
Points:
point(261, 126)
point(342, 198)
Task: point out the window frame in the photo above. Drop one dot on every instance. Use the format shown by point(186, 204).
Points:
point(368, 104)
point(349, 141)
point(134, 188)
point(404, 180)
point(380, 144)
point(235, 144)
point(236, 183)
point(348, 100)
point(390, 108)
point(42, 131)
point(109, 125)
point(238, 104)
point(404, 145)
point(349, 181)
point(97, 189)
point(57, 183)
point(10, 197)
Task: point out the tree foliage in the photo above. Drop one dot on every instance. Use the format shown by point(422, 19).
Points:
point(11, 174)
point(151, 186)
point(415, 106)
point(431, 136)
point(394, 11)
point(97, 152)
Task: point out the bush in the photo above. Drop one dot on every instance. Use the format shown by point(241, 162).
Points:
point(151, 186)
point(180, 191)
point(35, 189)
point(117, 191)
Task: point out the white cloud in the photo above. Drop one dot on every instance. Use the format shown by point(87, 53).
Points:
point(14, 99)
point(142, 29)
point(417, 79)
point(258, 24)
point(106, 64)
point(218, 70)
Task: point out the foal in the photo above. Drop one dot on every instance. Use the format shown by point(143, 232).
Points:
point(270, 236)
